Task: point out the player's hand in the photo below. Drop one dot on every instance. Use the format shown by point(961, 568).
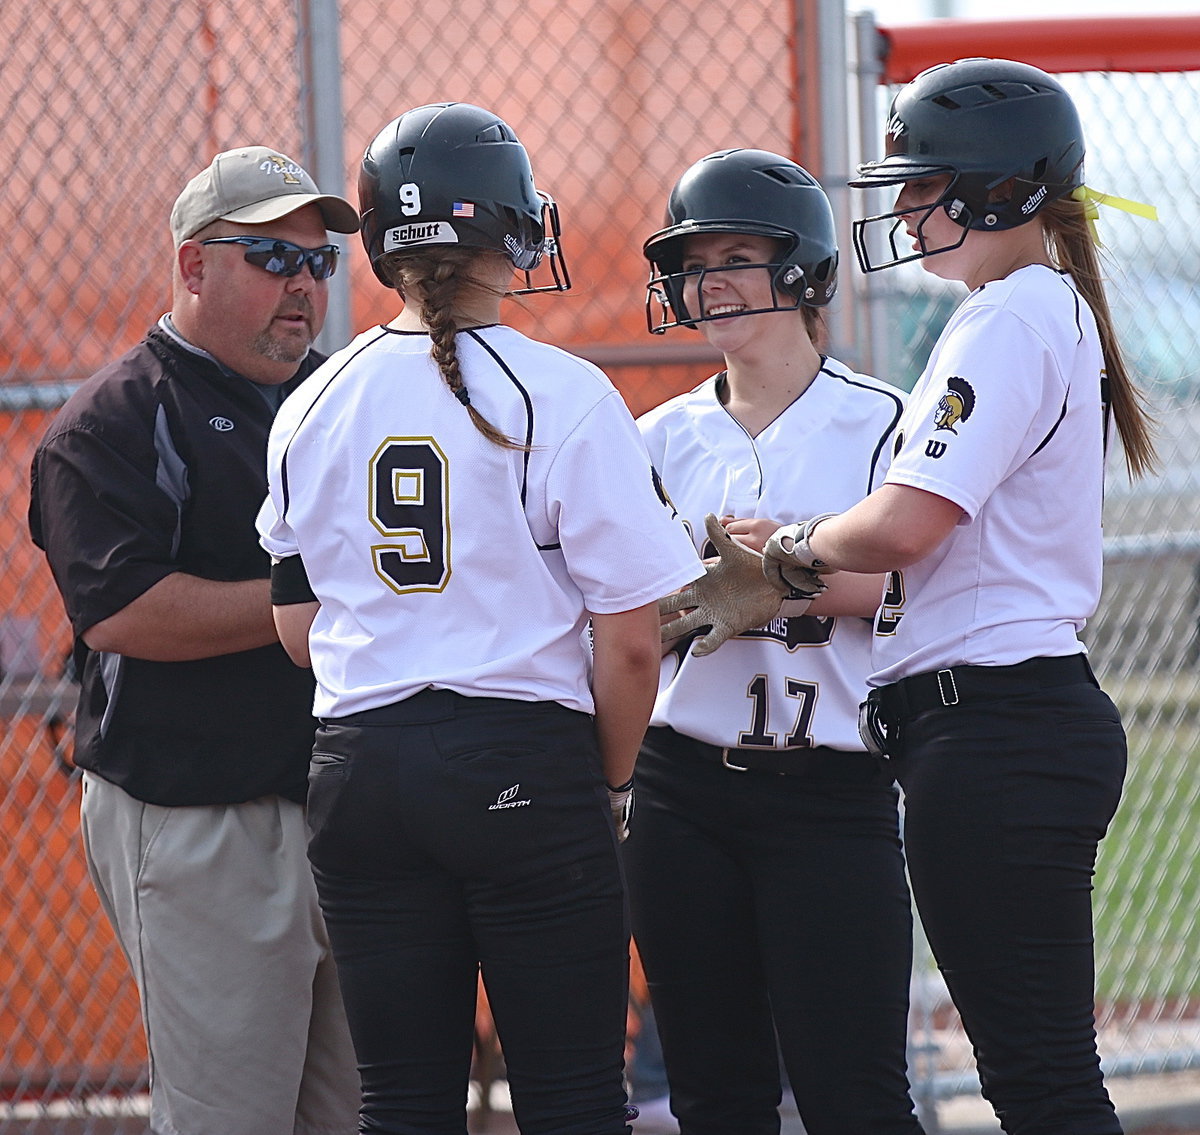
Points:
point(752, 531)
point(733, 595)
point(620, 803)
point(788, 559)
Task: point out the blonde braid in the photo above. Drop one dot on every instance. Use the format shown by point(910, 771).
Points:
point(436, 276)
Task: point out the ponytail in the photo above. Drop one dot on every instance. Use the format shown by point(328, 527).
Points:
point(436, 276)
point(815, 325)
point(1074, 251)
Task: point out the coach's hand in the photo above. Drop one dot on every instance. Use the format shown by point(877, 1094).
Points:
point(733, 595)
point(620, 802)
point(788, 559)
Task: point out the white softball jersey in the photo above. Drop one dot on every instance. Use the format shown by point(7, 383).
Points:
point(444, 560)
point(1007, 422)
point(798, 681)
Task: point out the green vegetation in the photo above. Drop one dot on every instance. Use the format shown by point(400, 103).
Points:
point(1148, 874)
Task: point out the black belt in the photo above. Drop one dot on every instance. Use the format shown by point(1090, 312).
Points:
point(972, 685)
point(784, 762)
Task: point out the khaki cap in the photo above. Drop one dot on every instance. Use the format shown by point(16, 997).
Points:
point(254, 185)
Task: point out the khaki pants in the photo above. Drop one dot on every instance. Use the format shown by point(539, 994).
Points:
point(217, 913)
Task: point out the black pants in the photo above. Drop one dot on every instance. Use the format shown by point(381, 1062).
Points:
point(455, 835)
point(766, 903)
point(1007, 796)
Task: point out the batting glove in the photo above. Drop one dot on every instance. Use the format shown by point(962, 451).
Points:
point(620, 803)
point(734, 594)
point(788, 559)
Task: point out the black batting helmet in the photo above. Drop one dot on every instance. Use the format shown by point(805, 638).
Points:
point(745, 191)
point(453, 173)
point(984, 123)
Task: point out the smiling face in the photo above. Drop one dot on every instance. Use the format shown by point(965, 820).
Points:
point(720, 296)
point(255, 322)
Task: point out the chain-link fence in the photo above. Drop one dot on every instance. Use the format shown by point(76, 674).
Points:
point(110, 108)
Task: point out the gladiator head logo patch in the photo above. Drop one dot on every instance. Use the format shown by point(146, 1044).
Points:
point(955, 406)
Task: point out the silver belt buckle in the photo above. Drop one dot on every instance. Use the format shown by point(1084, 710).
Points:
point(725, 762)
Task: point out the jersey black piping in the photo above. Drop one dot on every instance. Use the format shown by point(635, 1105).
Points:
point(1078, 317)
point(1105, 392)
point(1054, 428)
point(720, 391)
point(283, 477)
point(897, 410)
point(1103, 381)
point(499, 361)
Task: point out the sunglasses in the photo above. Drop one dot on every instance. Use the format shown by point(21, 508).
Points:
point(282, 257)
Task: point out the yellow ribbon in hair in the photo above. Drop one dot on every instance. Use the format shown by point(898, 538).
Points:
point(1093, 200)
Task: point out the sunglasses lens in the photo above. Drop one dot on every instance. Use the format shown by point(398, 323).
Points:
point(322, 262)
point(285, 259)
point(276, 257)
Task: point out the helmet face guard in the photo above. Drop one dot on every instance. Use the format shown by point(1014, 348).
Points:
point(666, 306)
point(1006, 133)
point(864, 230)
point(549, 254)
point(757, 193)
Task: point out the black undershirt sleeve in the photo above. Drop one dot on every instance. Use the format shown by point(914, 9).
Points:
point(289, 583)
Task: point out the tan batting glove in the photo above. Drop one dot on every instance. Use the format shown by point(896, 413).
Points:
point(732, 596)
point(788, 558)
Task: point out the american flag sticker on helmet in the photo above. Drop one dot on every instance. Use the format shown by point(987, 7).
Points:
point(463, 209)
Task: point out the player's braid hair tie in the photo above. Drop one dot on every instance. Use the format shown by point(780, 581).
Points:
point(463, 395)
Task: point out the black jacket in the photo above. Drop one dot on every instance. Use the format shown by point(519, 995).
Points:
point(157, 464)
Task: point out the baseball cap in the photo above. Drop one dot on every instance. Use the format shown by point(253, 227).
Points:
point(254, 185)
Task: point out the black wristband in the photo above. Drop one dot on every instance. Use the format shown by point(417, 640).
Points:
point(622, 788)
